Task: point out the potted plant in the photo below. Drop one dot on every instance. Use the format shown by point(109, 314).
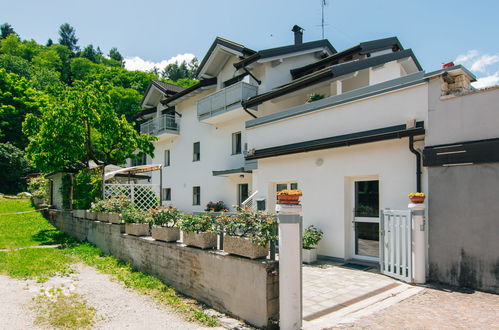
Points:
point(99, 208)
point(315, 97)
point(248, 233)
point(164, 221)
point(311, 237)
point(198, 230)
point(289, 196)
point(216, 207)
point(417, 197)
point(136, 222)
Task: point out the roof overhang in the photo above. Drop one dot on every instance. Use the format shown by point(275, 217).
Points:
point(133, 170)
point(231, 172)
point(188, 92)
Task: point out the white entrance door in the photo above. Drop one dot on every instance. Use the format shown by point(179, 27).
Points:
point(366, 220)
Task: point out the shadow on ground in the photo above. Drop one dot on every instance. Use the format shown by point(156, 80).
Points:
point(53, 237)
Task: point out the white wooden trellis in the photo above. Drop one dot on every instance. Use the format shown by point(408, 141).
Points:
point(143, 196)
point(396, 244)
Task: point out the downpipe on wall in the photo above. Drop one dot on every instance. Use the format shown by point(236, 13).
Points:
point(418, 163)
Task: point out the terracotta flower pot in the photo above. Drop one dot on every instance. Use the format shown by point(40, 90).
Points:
point(288, 199)
point(417, 199)
point(165, 234)
point(200, 240)
point(242, 246)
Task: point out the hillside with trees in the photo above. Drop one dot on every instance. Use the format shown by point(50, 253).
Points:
point(76, 104)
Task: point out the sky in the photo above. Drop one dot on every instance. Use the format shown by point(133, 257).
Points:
point(152, 33)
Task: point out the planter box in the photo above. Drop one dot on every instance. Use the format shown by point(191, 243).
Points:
point(309, 256)
point(114, 218)
point(137, 229)
point(91, 215)
point(103, 216)
point(201, 240)
point(165, 234)
point(242, 246)
point(79, 214)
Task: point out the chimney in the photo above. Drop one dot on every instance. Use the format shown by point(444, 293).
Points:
point(298, 34)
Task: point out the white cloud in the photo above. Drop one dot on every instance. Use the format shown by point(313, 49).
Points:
point(483, 62)
point(139, 64)
point(465, 58)
point(487, 81)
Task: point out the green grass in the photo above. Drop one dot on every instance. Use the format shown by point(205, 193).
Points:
point(33, 229)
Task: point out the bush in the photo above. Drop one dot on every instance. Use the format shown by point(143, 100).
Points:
point(111, 205)
point(165, 216)
point(216, 207)
point(311, 237)
point(87, 188)
point(134, 215)
point(201, 223)
point(39, 187)
point(13, 166)
point(257, 226)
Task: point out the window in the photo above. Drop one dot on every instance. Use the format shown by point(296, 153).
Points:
point(236, 143)
point(167, 157)
point(196, 195)
point(196, 155)
point(243, 192)
point(167, 194)
point(142, 160)
point(367, 199)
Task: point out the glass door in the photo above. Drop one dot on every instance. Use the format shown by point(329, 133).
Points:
point(366, 220)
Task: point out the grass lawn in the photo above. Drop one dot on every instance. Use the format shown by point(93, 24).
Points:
point(30, 229)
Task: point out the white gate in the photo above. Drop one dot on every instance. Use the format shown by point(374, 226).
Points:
point(143, 196)
point(396, 244)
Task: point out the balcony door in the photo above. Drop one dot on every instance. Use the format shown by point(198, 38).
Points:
point(366, 220)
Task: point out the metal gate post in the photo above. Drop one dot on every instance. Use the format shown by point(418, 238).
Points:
point(418, 243)
point(290, 266)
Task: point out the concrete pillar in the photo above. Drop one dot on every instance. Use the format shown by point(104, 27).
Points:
point(418, 243)
point(290, 271)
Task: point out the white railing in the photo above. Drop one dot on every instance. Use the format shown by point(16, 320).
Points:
point(159, 125)
point(250, 201)
point(221, 100)
point(143, 196)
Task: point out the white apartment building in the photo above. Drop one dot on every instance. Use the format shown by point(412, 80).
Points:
point(247, 127)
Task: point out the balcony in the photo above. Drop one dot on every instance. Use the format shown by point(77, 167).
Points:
point(223, 105)
point(163, 126)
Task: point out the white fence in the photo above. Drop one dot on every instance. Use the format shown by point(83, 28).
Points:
point(396, 244)
point(144, 196)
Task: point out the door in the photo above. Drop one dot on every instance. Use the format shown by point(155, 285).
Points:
point(242, 192)
point(366, 220)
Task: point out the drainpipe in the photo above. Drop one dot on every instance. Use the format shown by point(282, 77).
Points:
point(418, 163)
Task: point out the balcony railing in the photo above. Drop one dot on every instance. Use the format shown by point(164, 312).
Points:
point(225, 99)
point(160, 125)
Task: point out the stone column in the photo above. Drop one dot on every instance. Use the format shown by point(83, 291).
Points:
point(290, 271)
point(418, 243)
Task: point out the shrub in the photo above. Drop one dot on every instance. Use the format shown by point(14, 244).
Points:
point(13, 166)
point(39, 187)
point(87, 188)
point(311, 237)
point(216, 207)
point(201, 223)
point(257, 226)
point(111, 205)
point(165, 216)
point(134, 215)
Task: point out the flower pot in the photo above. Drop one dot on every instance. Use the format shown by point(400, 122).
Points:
point(91, 215)
point(114, 218)
point(309, 256)
point(288, 199)
point(417, 199)
point(103, 216)
point(165, 234)
point(242, 246)
point(137, 229)
point(200, 240)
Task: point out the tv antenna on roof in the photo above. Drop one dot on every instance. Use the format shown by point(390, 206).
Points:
point(323, 4)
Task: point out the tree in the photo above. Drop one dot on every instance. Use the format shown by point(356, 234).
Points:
point(114, 54)
point(67, 37)
point(13, 166)
point(17, 99)
point(175, 71)
point(49, 42)
point(6, 30)
point(11, 45)
point(48, 58)
point(80, 127)
point(16, 64)
point(90, 53)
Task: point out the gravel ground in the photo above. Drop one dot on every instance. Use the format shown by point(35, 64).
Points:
point(117, 307)
point(437, 308)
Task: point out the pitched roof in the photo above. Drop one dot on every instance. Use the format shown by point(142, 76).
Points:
point(271, 52)
point(166, 88)
point(362, 48)
point(327, 73)
point(200, 84)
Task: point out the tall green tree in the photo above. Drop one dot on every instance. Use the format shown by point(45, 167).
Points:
point(67, 37)
point(114, 54)
point(90, 53)
point(184, 70)
point(6, 29)
point(82, 126)
point(13, 166)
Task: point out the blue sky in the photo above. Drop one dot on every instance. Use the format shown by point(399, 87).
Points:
point(150, 32)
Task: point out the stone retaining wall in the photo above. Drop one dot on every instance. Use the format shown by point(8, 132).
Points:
point(248, 289)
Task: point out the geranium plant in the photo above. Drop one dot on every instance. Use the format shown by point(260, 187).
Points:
point(134, 215)
point(165, 216)
point(291, 192)
point(111, 205)
point(311, 237)
point(197, 223)
point(257, 226)
point(216, 207)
